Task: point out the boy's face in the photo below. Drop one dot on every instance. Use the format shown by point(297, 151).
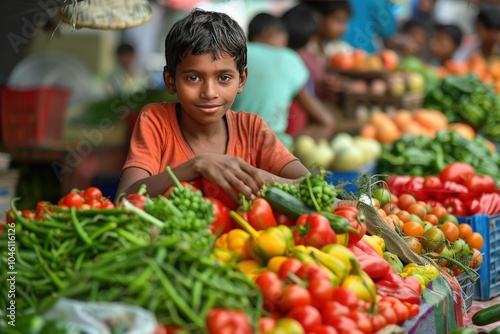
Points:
point(419, 35)
point(442, 46)
point(206, 88)
point(334, 25)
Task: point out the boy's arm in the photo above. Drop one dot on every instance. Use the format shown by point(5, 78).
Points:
point(321, 122)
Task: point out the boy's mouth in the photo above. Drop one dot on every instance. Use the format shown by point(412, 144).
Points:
point(209, 109)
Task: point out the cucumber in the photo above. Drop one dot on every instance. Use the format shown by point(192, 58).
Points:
point(495, 330)
point(463, 330)
point(293, 207)
point(487, 315)
point(285, 203)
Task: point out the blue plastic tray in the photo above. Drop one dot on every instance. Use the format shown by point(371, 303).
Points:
point(337, 177)
point(488, 285)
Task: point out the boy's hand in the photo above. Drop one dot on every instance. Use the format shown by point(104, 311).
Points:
point(231, 174)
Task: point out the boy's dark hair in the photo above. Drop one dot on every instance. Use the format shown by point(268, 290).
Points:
point(203, 32)
point(263, 21)
point(327, 7)
point(124, 48)
point(412, 24)
point(451, 30)
point(302, 22)
point(489, 16)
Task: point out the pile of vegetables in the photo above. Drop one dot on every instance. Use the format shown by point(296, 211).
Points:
point(124, 254)
point(423, 156)
point(458, 188)
point(466, 98)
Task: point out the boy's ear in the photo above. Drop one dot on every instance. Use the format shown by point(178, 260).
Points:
point(243, 80)
point(169, 81)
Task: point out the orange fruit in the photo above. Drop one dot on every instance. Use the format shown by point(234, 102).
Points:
point(405, 201)
point(476, 259)
point(403, 215)
point(417, 209)
point(475, 240)
point(464, 230)
point(413, 229)
point(439, 211)
point(450, 231)
point(432, 218)
point(414, 244)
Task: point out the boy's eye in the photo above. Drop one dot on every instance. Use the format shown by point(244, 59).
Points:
point(193, 78)
point(224, 78)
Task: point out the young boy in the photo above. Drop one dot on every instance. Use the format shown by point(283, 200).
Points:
point(445, 42)
point(200, 136)
point(278, 76)
point(415, 30)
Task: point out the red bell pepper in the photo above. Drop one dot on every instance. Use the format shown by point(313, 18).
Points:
point(222, 222)
point(221, 321)
point(489, 203)
point(455, 206)
point(356, 220)
point(282, 219)
point(258, 213)
point(369, 260)
point(397, 184)
point(394, 285)
point(313, 230)
point(211, 189)
point(473, 206)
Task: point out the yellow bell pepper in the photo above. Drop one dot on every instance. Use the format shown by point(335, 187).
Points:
point(359, 282)
point(250, 268)
point(275, 263)
point(235, 241)
point(265, 244)
point(374, 244)
point(342, 239)
point(224, 255)
point(330, 262)
point(342, 253)
point(379, 240)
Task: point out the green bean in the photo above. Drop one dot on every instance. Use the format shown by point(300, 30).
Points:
point(53, 276)
point(139, 282)
point(173, 314)
point(24, 295)
point(168, 288)
point(196, 295)
point(132, 238)
point(104, 228)
point(79, 230)
point(79, 261)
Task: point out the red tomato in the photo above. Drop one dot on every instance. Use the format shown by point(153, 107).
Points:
point(480, 183)
point(325, 329)
point(290, 265)
point(414, 309)
point(321, 291)
point(308, 316)
point(345, 297)
point(390, 315)
point(456, 172)
point(266, 324)
point(293, 296)
point(73, 199)
point(107, 204)
point(271, 288)
point(92, 193)
point(362, 321)
point(221, 321)
point(433, 182)
point(310, 271)
point(341, 323)
point(378, 322)
point(402, 312)
point(334, 309)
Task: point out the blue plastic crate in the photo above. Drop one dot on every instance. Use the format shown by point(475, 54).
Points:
point(336, 177)
point(488, 285)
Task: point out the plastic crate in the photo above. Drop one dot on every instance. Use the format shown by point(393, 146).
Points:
point(488, 285)
point(336, 177)
point(8, 188)
point(33, 117)
point(467, 290)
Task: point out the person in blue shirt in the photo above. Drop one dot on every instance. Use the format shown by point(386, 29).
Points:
point(276, 77)
point(371, 23)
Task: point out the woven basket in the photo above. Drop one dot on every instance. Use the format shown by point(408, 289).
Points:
point(106, 14)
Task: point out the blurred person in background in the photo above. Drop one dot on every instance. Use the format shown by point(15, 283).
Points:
point(276, 77)
point(415, 30)
point(371, 21)
point(445, 42)
point(488, 31)
point(124, 78)
point(323, 42)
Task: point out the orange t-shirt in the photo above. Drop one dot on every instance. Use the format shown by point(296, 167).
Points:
point(157, 141)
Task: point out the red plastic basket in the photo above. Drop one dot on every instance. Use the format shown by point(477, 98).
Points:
point(33, 117)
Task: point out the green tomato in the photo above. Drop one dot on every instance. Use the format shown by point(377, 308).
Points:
point(383, 196)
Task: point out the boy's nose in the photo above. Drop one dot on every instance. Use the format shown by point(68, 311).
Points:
point(209, 91)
